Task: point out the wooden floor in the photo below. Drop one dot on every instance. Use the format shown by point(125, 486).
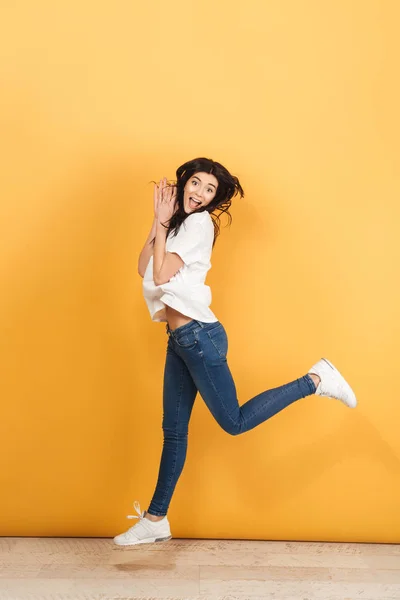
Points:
point(96, 569)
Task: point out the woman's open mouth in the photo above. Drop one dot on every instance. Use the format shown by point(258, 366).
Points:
point(193, 203)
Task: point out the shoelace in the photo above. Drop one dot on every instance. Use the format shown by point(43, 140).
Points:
point(140, 513)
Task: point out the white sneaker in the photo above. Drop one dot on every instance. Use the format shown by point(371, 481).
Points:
point(332, 383)
point(145, 531)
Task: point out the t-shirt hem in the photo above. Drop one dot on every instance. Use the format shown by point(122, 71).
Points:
point(187, 312)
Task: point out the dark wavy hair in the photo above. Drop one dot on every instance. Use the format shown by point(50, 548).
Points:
point(228, 187)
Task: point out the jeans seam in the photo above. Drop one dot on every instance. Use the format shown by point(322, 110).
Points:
point(168, 485)
point(216, 391)
point(273, 403)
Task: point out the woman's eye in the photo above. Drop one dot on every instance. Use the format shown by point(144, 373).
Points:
point(196, 182)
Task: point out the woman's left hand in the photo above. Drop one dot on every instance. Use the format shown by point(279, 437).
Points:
point(167, 205)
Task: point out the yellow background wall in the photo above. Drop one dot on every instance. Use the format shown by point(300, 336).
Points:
point(300, 101)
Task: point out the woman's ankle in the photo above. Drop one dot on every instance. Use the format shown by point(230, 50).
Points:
point(315, 379)
point(153, 517)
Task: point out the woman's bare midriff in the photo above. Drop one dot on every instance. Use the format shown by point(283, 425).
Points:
point(175, 319)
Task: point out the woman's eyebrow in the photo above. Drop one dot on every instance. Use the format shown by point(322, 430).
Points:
point(195, 177)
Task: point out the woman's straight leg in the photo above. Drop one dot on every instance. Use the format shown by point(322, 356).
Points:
point(179, 393)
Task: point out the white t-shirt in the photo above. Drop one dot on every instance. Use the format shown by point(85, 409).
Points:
point(186, 291)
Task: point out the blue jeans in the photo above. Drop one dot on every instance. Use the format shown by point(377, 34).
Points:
point(196, 362)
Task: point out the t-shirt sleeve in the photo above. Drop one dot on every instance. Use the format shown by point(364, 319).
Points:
point(191, 241)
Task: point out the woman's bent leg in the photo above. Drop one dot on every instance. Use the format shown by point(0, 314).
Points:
point(217, 388)
point(179, 393)
point(214, 381)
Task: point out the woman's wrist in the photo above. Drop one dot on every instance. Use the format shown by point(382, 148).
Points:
point(160, 227)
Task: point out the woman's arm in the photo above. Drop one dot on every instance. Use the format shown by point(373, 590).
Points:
point(147, 250)
point(165, 264)
point(148, 247)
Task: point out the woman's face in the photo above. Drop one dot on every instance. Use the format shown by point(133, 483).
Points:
point(199, 190)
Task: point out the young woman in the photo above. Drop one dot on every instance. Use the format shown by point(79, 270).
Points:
point(173, 263)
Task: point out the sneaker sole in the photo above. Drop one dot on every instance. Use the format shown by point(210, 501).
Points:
point(353, 404)
point(145, 541)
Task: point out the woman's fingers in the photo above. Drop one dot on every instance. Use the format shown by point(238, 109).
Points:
point(155, 196)
point(160, 191)
point(166, 193)
point(162, 188)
